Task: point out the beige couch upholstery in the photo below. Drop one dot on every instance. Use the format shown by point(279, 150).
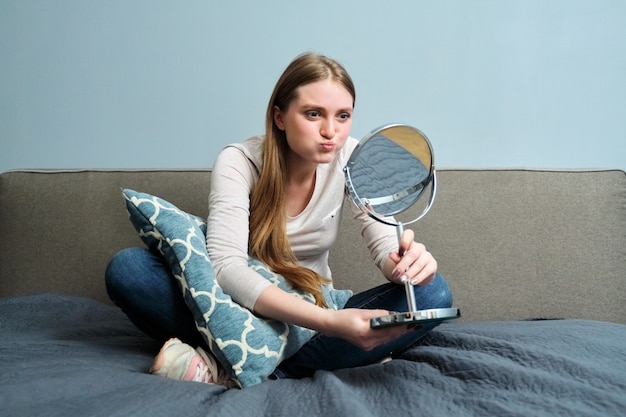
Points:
point(514, 244)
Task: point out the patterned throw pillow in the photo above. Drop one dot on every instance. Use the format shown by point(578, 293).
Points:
point(249, 346)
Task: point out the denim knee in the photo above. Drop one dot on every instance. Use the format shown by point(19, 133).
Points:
point(438, 294)
point(112, 278)
point(119, 277)
point(142, 285)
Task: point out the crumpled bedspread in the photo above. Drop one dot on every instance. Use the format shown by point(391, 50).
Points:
point(65, 356)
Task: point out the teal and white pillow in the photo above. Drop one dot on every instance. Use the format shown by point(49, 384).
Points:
point(248, 346)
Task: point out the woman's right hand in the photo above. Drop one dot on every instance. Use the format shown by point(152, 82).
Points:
point(353, 325)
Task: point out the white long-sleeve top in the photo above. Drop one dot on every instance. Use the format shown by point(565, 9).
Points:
point(311, 233)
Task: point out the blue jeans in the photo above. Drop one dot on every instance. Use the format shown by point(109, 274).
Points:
point(141, 284)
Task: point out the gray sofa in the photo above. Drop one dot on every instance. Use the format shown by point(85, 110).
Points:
point(535, 259)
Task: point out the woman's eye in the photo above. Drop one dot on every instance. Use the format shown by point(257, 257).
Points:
point(312, 114)
point(344, 116)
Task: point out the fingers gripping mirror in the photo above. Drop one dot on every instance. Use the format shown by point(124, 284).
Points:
point(387, 173)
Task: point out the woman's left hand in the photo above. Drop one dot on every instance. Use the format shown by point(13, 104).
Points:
point(412, 262)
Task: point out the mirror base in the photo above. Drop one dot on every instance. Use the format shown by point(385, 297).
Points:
point(415, 318)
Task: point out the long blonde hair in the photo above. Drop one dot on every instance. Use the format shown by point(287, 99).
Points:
point(268, 214)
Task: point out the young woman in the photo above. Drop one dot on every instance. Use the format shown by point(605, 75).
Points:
point(277, 198)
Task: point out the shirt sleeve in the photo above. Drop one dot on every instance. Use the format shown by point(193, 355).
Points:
point(381, 239)
point(232, 178)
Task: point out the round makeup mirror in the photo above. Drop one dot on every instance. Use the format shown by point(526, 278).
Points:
point(387, 173)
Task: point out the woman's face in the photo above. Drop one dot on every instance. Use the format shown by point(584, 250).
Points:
point(317, 122)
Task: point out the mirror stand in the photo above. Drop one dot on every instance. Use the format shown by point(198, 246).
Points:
point(386, 174)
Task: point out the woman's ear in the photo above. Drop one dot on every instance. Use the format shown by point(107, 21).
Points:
point(278, 118)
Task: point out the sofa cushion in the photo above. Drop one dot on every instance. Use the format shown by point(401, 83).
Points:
point(248, 346)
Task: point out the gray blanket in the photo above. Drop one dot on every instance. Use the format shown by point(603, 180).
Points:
point(69, 356)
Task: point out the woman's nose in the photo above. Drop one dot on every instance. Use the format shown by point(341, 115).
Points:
point(327, 129)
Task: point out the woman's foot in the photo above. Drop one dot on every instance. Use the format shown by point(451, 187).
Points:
point(178, 360)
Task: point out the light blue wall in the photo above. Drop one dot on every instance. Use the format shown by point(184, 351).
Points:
point(146, 83)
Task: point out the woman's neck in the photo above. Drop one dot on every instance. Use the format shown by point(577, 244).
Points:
point(300, 188)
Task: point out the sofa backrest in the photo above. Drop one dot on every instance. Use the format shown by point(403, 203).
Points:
point(60, 228)
point(514, 244)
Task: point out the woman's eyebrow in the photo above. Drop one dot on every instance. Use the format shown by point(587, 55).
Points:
point(319, 107)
